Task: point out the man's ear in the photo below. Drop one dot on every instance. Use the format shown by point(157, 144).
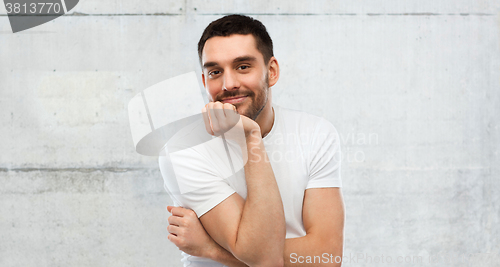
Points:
point(274, 71)
point(203, 79)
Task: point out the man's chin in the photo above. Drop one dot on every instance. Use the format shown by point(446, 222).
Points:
point(244, 112)
point(240, 108)
point(245, 109)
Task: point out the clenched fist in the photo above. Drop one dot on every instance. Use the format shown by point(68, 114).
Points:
point(223, 118)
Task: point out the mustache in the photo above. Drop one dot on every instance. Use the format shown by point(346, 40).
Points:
point(230, 94)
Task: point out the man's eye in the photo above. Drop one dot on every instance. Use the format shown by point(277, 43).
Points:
point(214, 72)
point(243, 67)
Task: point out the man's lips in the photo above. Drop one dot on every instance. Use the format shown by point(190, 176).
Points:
point(234, 100)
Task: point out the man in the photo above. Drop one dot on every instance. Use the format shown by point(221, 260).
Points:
point(285, 207)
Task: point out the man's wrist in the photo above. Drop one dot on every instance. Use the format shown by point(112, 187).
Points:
point(253, 135)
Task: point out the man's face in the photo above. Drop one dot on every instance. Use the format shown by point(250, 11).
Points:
point(234, 72)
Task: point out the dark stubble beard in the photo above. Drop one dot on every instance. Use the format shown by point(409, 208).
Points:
point(259, 101)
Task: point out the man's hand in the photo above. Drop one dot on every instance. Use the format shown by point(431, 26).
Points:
point(187, 233)
point(220, 118)
point(194, 240)
point(223, 120)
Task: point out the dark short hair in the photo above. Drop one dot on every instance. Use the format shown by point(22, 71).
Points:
point(239, 24)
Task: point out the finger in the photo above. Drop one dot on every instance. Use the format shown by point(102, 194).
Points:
point(181, 212)
point(176, 211)
point(229, 109)
point(170, 208)
point(206, 119)
point(232, 116)
point(214, 123)
point(174, 239)
point(173, 229)
point(219, 112)
point(175, 220)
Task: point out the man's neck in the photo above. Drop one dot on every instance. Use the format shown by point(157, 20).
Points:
point(266, 119)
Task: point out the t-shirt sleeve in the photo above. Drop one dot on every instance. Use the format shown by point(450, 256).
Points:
point(192, 183)
point(324, 157)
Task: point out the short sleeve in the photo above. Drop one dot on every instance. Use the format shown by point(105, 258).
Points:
point(191, 182)
point(324, 157)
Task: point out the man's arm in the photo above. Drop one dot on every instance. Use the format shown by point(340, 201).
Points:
point(252, 230)
point(323, 217)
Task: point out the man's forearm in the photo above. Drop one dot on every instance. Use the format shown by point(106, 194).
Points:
point(262, 230)
point(294, 249)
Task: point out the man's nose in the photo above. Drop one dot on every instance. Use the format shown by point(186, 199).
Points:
point(230, 81)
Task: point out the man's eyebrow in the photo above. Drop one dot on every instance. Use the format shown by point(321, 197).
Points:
point(244, 58)
point(210, 64)
point(236, 60)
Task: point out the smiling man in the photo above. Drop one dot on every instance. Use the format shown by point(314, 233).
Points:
point(285, 204)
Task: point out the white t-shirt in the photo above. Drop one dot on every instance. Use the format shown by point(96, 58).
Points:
point(304, 151)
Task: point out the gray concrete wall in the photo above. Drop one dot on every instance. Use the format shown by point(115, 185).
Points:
point(412, 87)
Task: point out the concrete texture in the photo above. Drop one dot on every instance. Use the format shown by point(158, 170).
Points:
point(412, 88)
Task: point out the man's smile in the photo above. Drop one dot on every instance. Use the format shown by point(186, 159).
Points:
point(234, 100)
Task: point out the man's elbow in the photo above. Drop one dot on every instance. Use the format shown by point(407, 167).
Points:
point(337, 253)
point(334, 248)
